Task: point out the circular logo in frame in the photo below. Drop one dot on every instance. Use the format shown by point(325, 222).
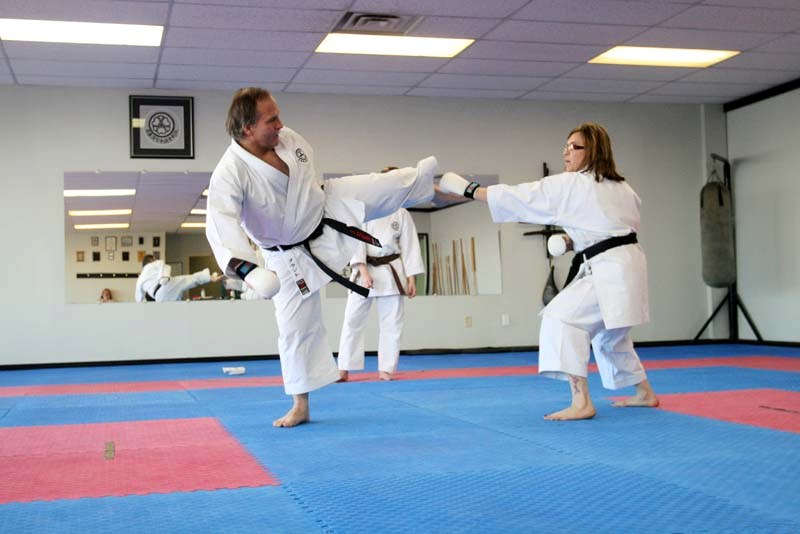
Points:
point(161, 127)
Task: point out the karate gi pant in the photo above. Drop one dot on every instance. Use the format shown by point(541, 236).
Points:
point(307, 362)
point(390, 320)
point(173, 289)
point(564, 342)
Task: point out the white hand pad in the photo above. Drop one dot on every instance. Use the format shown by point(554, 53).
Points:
point(556, 245)
point(263, 282)
point(453, 183)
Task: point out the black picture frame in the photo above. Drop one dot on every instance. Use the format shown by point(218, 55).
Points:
point(161, 127)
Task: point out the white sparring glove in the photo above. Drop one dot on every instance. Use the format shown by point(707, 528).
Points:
point(556, 245)
point(265, 283)
point(453, 183)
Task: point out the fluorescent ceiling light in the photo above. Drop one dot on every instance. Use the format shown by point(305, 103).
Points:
point(103, 226)
point(205, 192)
point(193, 225)
point(662, 57)
point(56, 31)
point(99, 192)
point(197, 211)
point(98, 213)
point(391, 45)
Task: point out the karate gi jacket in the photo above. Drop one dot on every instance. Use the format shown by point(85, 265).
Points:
point(589, 211)
point(154, 273)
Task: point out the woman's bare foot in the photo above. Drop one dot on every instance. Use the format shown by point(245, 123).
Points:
point(343, 376)
point(298, 415)
point(573, 413)
point(645, 397)
point(383, 375)
point(581, 407)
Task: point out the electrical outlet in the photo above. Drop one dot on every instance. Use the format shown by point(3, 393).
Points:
point(505, 320)
point(468, 321)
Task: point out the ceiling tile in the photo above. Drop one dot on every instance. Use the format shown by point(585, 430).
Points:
point(759, 61)
point(719, 75)
point(454, 27)
point(577, 96)
point(678, 99)
point(212, 73)
point(81, 52)
point(101, 180)
point(561, 32)
point(708, 89)
point(345, 89)
point(579, 85)
point(250, 18)
point(464, 93)
point(506, 68)
point(354, 77)
point(87, 11)
point(789, 43)
point(736, 19)
point(204, 85)
point(719, 40)
point(773, 4)
point(90, 69)
point(379, 63)
point(625, 72)
point(296, 4)
point(466, 81)
point(600, 11)
point(507, 50)
point(495, 8)
point(232, 58)
point(243, 39)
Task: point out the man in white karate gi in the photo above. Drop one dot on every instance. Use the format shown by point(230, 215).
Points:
point(606, 291)
point(155, 282)
point(389, 273)
point(266, 188)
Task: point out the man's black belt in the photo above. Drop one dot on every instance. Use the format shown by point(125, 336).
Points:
point(352, 231)
point(147, 296)
point(598, 248)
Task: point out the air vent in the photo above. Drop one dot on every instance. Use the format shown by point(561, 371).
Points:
point(379, 23)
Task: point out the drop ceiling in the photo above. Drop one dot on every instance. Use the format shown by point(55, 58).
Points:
point(524, 49)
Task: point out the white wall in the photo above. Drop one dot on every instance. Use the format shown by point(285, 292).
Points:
point(48, 131)
point(763, 147)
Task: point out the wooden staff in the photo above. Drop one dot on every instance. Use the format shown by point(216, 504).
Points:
point(449, 276)
point(464, 275)
point(474, 270)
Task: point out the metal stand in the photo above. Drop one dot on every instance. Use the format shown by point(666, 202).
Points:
point(732, 298)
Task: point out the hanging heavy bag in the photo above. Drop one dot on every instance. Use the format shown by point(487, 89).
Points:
point(716, 234)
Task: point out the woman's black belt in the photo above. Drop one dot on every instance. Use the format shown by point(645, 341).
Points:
point(598, 248)
point(351, 231)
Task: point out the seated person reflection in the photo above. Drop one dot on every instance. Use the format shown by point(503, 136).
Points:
point(156, 284)
point(105, 296)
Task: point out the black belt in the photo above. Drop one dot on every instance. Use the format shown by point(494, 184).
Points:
point(147, 296)
point(598, 248)
point(352, 231)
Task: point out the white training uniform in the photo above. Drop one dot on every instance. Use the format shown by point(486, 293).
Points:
point(609, 294)
point(397, 235)
point(172, 287)
point(250, 198)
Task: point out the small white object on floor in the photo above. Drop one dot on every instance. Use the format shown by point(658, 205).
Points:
point(233, 370)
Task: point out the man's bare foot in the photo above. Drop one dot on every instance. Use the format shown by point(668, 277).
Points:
point(383, 375)
point(572, 413)
point(298, 415)
point(645, 397)
point(343, 376)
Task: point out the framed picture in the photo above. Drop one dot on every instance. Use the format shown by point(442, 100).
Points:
point(79, 255)
point(111, 243)
point(162, 126)
point(156, 254)
point(140, 256)
point(110, 256)
point(95, 241)
point(95, 255)
point(126, 256)
point(126, 241)
point(141, 240)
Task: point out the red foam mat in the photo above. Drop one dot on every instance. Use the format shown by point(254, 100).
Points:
point(163, 456)
point(767, 408)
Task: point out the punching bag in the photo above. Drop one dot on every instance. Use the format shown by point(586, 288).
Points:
point(716, 235)
point(550, 288)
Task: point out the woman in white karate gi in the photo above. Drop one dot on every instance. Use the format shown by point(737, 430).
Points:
point(608, 295)
point(389, 274)
point(265, 190)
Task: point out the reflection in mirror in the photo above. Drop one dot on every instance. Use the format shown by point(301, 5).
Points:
point(460, 246)
point(113, 220)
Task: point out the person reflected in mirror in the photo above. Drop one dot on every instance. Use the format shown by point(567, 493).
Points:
point(105, 296)
point(155, 283)
point(266, 189)
point(388, 271)
point(606, 291)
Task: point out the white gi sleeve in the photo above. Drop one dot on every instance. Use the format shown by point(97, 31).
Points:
point(223, 221)
point(533, 202)
point(409, 246)
point(360, 254)
point(139, 293)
